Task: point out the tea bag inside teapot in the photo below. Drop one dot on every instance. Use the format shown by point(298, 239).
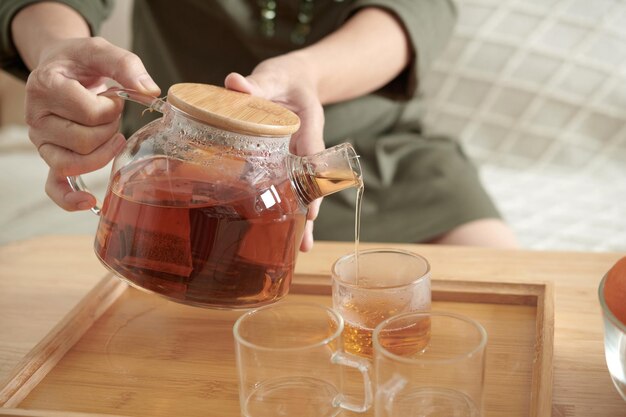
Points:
point(206, 204)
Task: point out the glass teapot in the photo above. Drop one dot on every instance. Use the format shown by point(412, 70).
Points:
point(205, 205)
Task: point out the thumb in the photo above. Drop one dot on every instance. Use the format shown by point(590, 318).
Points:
point(256, 85)
point(119, 65)
point(237, 82)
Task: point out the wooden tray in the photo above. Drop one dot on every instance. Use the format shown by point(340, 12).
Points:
point(123, 352)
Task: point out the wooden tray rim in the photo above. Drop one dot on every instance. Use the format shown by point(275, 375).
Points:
point(33, 368)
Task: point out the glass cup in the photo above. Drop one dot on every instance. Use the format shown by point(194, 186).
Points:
point(429, 365)
point(614, 343)
point(381, 284)
point(287, 356)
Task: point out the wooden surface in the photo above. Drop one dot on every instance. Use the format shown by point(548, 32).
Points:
point(36, 365)
point(42, 279)
point(40, 282)
point(141, 339)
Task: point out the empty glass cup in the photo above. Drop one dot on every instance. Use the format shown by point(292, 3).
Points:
point(287, 356)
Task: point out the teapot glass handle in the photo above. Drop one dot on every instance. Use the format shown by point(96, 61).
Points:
point(152, 104)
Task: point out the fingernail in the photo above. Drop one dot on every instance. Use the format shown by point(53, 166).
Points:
point(84, 205)
point(147, 83)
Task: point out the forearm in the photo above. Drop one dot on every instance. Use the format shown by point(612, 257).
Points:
point(36, 26)
point(367, 52)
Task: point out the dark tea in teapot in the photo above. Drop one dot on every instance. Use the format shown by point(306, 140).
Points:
point(206, 205)
point(174, 230)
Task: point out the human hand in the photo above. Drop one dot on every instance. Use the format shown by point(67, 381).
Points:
point(285, 80)
point(74, 129)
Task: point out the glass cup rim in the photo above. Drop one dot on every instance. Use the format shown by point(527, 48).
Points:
point(337, 277)
point(606, 311)
point(333, 336)
point(479, 347)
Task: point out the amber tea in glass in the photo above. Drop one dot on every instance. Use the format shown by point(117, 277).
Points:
point(374, 286)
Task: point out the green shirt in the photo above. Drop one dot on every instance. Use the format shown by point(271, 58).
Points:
point(417, 186)
point(202, 41)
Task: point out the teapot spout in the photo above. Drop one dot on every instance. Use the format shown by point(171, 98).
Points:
point(326, 172)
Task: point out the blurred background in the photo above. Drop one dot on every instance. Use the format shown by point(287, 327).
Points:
point(534, 89)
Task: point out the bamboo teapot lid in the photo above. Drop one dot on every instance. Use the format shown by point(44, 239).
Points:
point(233, 111)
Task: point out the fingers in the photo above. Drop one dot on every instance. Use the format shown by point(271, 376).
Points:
point(118, 64)
point(67, 163)
point(50, 91)
point(314, 209)
point(59, 191)
point(81, 139)
point(257, 85)
point(309, 139)
point(238, 82)
point(60, 86)
point(307, 238)
point(73, 128)
point(73, 131)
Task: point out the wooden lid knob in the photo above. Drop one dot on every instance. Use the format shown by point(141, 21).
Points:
point(233, 111)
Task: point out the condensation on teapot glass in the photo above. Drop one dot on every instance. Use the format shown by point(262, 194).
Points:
point(211, 216)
